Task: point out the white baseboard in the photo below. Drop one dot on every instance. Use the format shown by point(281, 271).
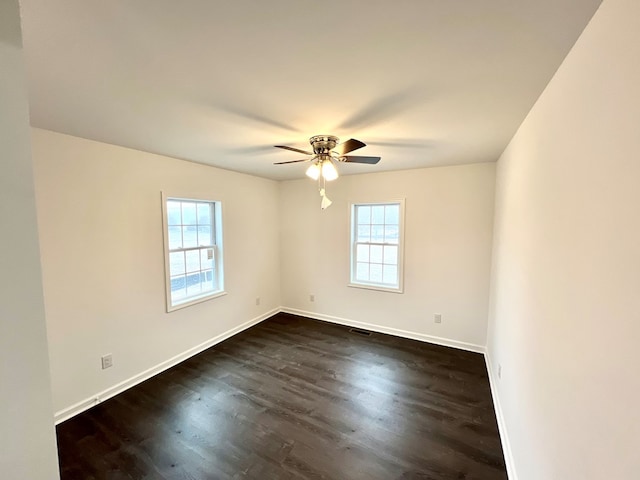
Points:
point(502, 427)
point(471, 347)
point(504, 438)
point(100, 397)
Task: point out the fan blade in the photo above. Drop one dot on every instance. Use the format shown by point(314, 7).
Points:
point(293, 161)
point(359, 159)
point(349, 146)
point(294, 149)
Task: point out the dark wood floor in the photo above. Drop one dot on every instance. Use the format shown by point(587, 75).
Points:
point(293, 398)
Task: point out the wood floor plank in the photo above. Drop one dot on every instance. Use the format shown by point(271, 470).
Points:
point(294, 398)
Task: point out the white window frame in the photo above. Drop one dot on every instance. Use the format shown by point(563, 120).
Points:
point(217, 254)
point(353, 246)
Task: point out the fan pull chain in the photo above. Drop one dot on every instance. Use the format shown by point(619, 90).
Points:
point(324, 200)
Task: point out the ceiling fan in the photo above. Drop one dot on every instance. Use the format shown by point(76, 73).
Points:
point(326, 150)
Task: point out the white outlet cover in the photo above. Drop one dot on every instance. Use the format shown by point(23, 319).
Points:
point(107, 361)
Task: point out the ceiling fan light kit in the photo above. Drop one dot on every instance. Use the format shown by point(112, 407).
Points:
point(329, 170)
point(313, 172)
point(322, 166)
point(326, 150)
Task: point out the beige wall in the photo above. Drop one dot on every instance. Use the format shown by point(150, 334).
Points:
point(449, 214)
point(103, 272)
point(100, 219)
point(563, 315)
point(565, 301)
point(27, 441)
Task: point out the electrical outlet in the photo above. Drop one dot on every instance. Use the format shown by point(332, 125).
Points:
point(107, 361)
point(437, 318)
point(312, 297)
point(257, 300)
point(499, 371)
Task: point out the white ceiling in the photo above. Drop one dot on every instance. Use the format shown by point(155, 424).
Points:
point(422, 82)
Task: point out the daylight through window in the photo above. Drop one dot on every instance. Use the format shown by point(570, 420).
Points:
point(192, 251)
point(376, 246)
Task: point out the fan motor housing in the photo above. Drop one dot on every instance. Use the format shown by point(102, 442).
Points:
point(323, 143)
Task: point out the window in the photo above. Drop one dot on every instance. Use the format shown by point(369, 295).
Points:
point(377, 245)
point(193, 251)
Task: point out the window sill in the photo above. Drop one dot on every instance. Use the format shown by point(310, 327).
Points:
point(194, 301)
point(379, 288)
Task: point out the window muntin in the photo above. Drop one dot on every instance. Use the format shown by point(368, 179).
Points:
point(192, 251)
point(376, 245)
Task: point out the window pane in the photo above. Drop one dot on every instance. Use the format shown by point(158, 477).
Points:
point(204, 235)
point(175, 238)
point(195, 289)
point(391, 214)
point(364, 233)
point(173, 212)
point(362, 253)
point(193, 284)
point(192, 251)
point(364, 215)
point(362, 272)
point(390, 275)
point(375, 273)
point(390, 234)
point(190, 237)
point(206, 280)
point(178, 288)
point(193, 260)
point(377, 233)
point(390, 255)
point(176, 263)
point(188, 213)
point(204, 214)
point(376, 254)
point(377, 214)
point(211, 277)
point(376, 245)
point(206, 258)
